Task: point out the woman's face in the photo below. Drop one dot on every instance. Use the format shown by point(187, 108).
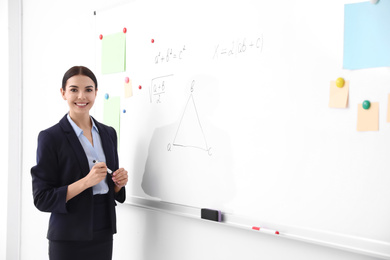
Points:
point(80, 93)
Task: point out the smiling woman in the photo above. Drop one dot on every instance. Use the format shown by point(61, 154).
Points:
point(80, 92)
point(66, 181)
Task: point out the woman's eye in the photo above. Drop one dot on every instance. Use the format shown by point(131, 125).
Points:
point(73, 90)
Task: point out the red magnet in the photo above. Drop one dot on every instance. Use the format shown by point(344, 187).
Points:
point(124, 30)
point(101, 36)
point(152, 40)
point(140, 87)
point(127, 79)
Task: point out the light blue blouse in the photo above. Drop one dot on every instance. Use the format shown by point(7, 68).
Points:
point(93, 152)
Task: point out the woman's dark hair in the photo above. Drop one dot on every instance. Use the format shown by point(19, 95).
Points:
point(78, 70)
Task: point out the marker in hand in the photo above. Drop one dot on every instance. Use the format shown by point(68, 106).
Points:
point(108, 170)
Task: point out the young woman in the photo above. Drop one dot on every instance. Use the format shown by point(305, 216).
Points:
point(71, 178)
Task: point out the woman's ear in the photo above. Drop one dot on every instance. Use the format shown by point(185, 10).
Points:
point(63, 93)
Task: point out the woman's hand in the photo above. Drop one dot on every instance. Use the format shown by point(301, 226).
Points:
point(120, 178)
point(97, 174)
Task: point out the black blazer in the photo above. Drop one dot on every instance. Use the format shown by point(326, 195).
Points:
point(61, 160)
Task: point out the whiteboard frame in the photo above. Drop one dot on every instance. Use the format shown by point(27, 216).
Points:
point(363, 246)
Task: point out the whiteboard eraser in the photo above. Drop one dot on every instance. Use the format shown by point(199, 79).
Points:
point(211, 214)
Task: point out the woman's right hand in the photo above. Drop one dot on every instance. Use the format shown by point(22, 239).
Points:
point(97, 174)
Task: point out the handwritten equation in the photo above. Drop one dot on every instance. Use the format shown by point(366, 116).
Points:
point(239, 47)
point(170, 55)
point(243, 46)
point(158, 87)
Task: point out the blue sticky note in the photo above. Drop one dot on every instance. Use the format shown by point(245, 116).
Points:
point(367, 35)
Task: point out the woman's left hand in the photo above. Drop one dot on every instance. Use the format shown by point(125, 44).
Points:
point(120, 177)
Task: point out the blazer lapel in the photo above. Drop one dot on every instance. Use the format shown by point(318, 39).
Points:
point(75, 144)
point(108, 146)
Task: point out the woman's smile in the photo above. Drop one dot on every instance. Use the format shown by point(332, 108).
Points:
point(81, 104)
point(80, 92)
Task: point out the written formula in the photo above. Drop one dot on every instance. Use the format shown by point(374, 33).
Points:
point(158, 87)
point(239, 47)
point(170, 55)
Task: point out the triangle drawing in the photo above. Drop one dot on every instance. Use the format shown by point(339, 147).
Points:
point(190, 132)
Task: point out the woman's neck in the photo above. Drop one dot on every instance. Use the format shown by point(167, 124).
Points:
point(82, 121)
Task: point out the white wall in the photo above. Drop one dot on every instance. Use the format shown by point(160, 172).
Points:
point(14, 125)
point(4, 119)
point(60, 34)
point(57, 35)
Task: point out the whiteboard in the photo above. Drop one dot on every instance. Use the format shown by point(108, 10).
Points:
point(232, 114)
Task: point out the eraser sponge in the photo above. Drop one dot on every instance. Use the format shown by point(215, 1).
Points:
point(211, 214)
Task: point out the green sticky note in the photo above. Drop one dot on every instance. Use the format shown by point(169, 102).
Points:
point(114, 53)
point(111, 114)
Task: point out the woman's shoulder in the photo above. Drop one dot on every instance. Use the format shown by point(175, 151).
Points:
point(54, 131)
point(49, 134)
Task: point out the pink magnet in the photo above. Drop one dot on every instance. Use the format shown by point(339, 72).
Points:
point(127, 79)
